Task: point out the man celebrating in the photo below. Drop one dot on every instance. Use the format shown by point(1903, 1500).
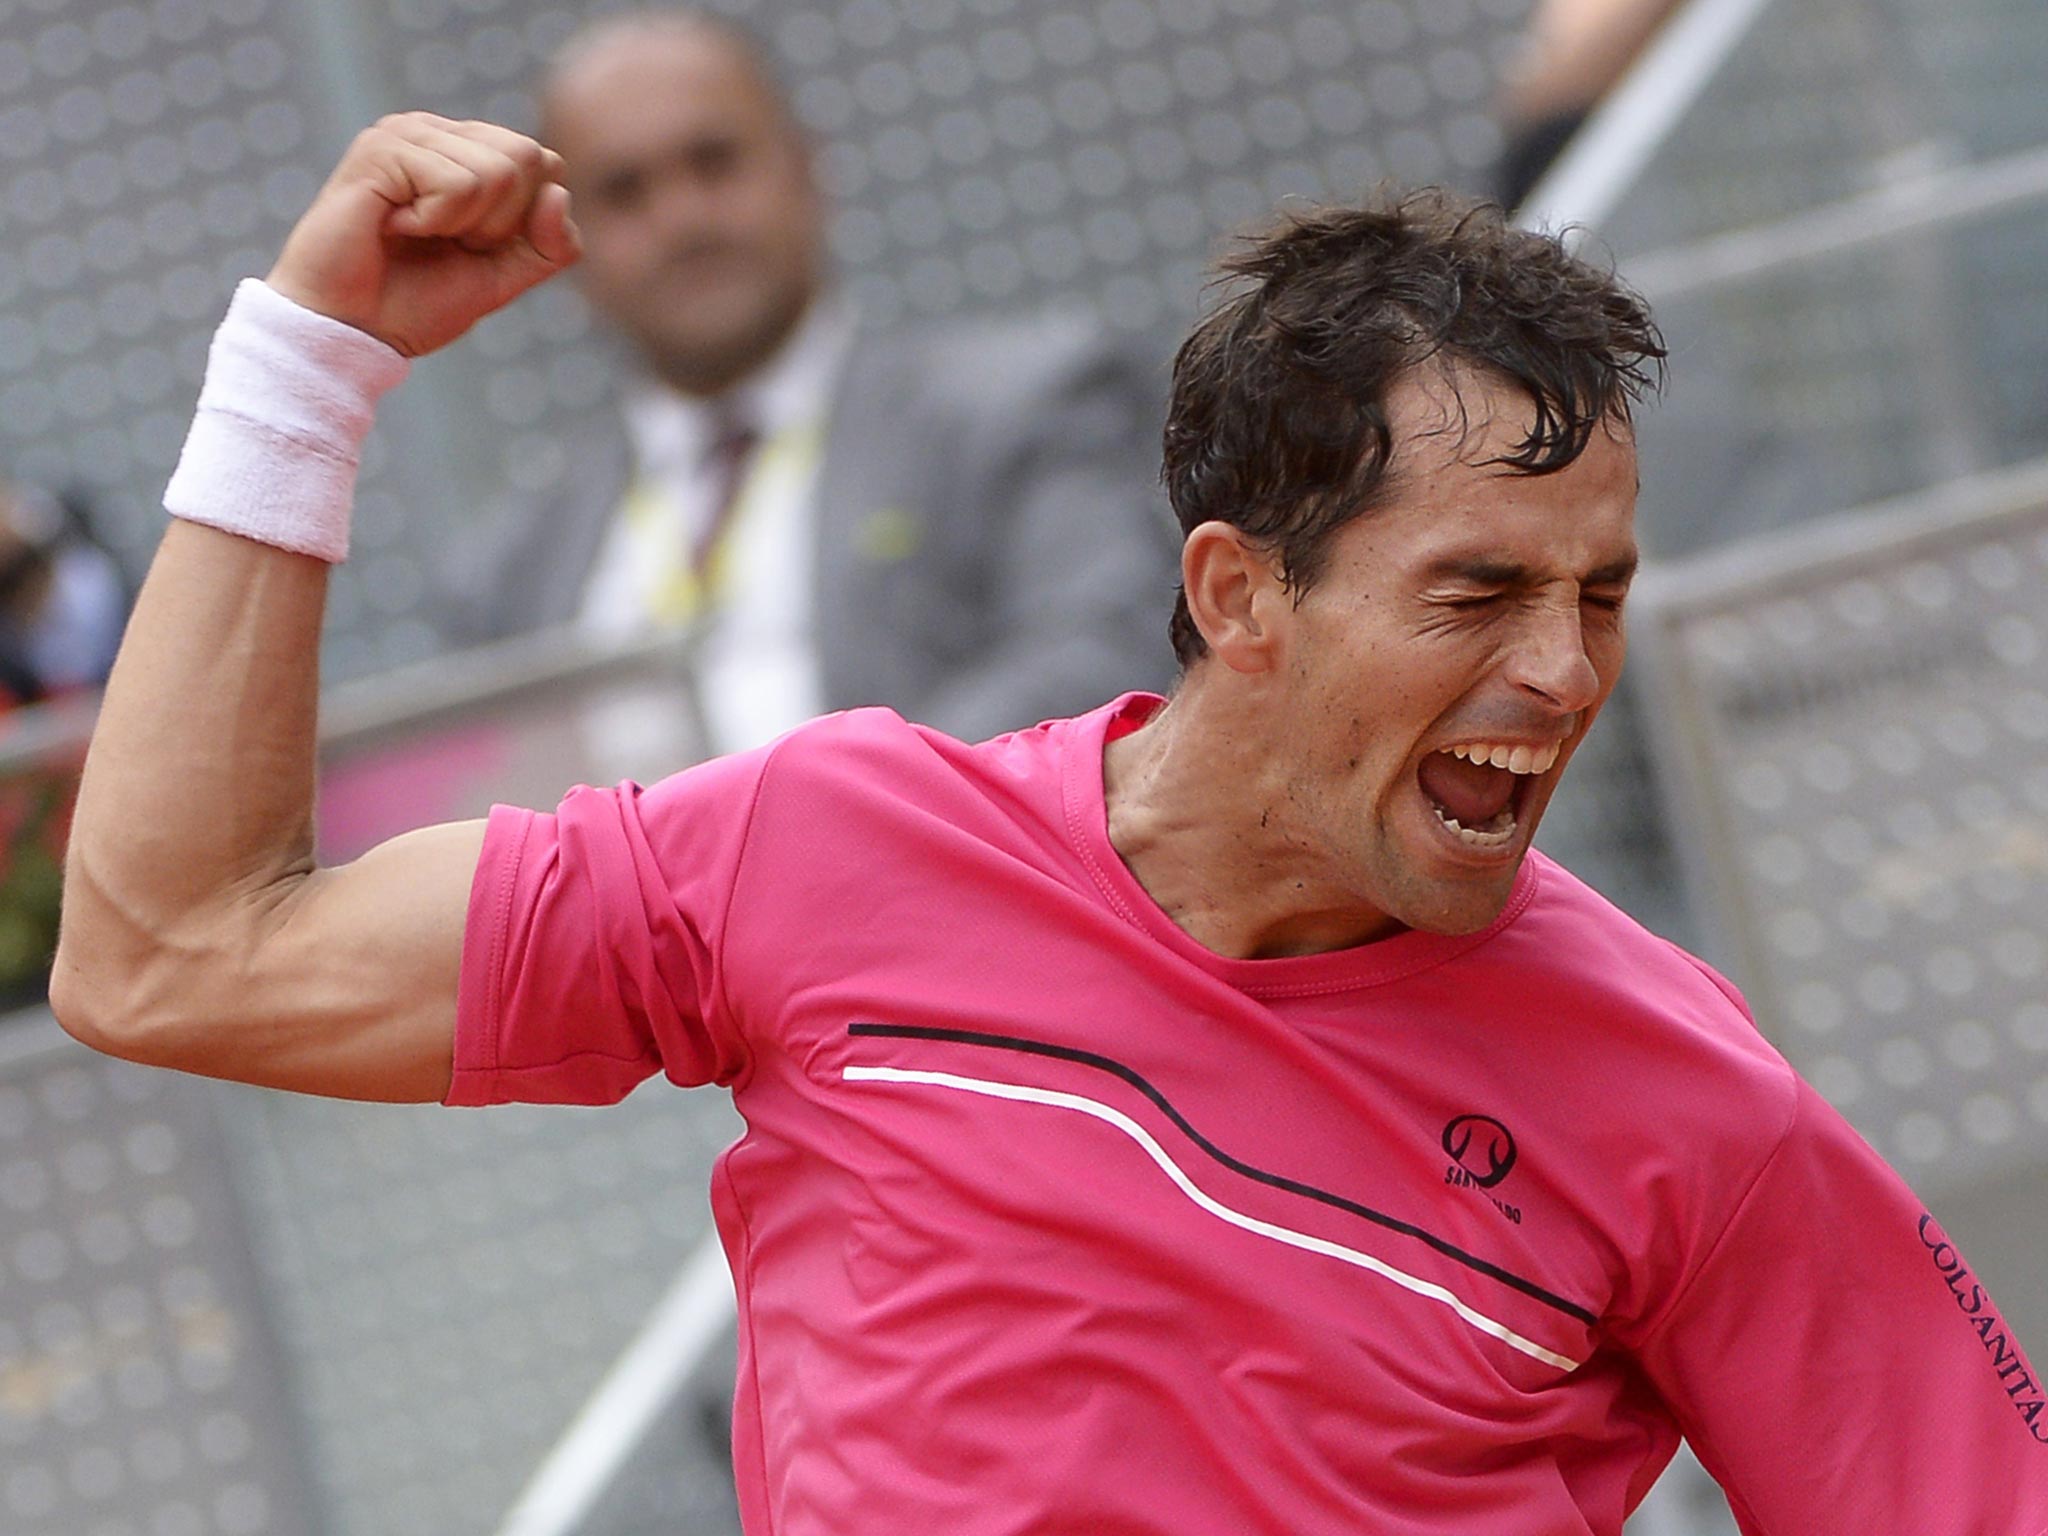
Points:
point(955, 521)
point(1203, 1115)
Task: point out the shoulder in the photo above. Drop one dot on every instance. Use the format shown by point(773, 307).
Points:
point(1633, 998)
point(850, 743)
point(875, 752)
point(1590, 942)
point(855, 811)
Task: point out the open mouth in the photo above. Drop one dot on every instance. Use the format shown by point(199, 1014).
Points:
point(1478, 788)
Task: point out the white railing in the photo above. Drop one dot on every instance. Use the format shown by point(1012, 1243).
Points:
point(1932, 192)
point(1607, 157)
point(643, 1385)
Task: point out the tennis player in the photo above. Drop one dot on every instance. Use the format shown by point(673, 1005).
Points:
point(1204, 1115)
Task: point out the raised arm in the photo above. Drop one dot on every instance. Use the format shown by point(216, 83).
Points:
point(198, 932)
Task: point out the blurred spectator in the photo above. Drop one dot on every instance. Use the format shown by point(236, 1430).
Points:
point(961, 523)
point(62, 599)
point(1575, 51)
point(63, 603)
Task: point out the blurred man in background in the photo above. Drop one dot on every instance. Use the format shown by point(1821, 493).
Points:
point(960, 524)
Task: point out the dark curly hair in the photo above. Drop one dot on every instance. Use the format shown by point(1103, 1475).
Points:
point(1278, 418)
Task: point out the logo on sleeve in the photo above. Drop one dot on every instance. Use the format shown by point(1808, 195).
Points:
point(2007, 1362)
point(1482, 1153)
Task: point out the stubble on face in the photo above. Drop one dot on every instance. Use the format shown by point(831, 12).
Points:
point(1453, 653)
point(1345, 788)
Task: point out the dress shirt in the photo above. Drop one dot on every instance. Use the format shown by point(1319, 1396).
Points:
point(758, 666)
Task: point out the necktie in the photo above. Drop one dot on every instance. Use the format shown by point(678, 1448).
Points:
point(725, 462)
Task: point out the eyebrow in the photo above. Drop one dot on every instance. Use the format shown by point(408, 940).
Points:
point(1490, 571)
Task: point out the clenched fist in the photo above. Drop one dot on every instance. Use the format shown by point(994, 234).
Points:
point(425, 227)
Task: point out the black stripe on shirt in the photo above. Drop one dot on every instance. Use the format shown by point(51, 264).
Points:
point(1275, 1180)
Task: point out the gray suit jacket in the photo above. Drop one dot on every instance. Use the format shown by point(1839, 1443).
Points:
point(992, 546)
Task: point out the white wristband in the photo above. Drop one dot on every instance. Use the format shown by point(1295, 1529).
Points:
point(288, 399)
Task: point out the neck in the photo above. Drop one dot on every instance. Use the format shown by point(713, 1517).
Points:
point(1205, 822)
point(706, 374)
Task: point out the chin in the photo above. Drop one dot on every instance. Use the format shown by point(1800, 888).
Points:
point(732, 344)
point(1461, 910)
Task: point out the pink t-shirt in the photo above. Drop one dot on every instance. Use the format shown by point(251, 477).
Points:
point(1048, 1220)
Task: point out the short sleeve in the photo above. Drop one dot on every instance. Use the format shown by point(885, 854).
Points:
point(591, 954)
point(1840, 1368)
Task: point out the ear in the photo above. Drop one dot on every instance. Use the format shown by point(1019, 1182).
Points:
point(1235, 595)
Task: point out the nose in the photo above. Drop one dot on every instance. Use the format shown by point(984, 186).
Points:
point(674, 208)
point(681, 204)
point(1550, 658)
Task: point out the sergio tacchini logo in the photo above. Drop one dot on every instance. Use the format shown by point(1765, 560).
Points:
point(1482, 1153)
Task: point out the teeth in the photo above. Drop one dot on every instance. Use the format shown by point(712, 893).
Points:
point(1522, 759)
point(1496, 832)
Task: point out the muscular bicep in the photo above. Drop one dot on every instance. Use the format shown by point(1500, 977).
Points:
point(336, 981)
point(367, 956)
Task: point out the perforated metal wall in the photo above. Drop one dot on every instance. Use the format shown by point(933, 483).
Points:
point(142, 1392)
point(1857, 726)
point(1823, 94)
point(452, 1285)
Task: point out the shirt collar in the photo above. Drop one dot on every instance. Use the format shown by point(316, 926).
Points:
point(793, 388)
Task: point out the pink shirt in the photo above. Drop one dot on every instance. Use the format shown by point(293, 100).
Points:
point(1046, 1219)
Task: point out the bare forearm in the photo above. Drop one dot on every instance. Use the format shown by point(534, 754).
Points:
point(203, 757)
point(197, 931)
point(198, 792)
